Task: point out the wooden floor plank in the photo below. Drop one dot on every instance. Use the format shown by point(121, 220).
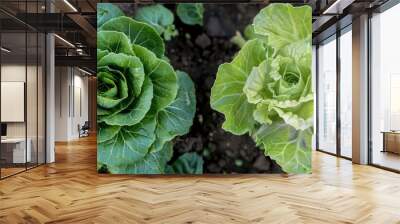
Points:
point(71, 191)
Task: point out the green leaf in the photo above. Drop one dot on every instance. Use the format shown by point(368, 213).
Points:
point(250, 34)
point(136, 111)
point(279, 86)
point(162, 76)
point(188, 163)
point(129, 66)
point(129, 146)
point(159, 17)
point(139, 33)
point(284, 24)
point(107, 11)
point(227, 94)
point(152, 163)
point(114, 41)
point(177, 118)
point(101, 54)
point(190, 13)
point(106, 132)
point(108, 96)
point(289, 147)
point(121, 97)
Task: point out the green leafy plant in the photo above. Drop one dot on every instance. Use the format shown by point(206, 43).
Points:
point(187, 163)
point(142, 102)
point(160, 18)
point(266, 91)
point(107, 11)
point(190, 13)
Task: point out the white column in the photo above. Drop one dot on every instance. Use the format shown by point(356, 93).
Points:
point(50, 100)
point(360, 90)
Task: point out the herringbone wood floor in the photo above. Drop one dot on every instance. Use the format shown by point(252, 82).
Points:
point(70, 191)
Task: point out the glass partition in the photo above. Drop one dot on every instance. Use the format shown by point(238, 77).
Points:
point(22, 77)
point(13, 94)
point(385, 89)
point(327, 96)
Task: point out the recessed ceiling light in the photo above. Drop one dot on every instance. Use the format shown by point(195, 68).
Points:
point(5, 50)
point(70, 5)
point(65, 41)
point(84, 71)
point(338, 6)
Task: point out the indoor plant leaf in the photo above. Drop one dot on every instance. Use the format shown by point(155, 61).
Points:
point(227, 94)
point(128, 146)
point(138, 32)
point(152, 163)
point(284, 24)
point(114, 41)
point(106, 132)
point(173, 120)
point(188, 163)
point(289, 147)
point(190, 13)
point(107, 11)
point(159, 17)
point(162, 76)
point(135, 111)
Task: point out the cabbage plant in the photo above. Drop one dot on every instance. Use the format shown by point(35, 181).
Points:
point(190, 13)
point(142, 102)
point(266, 91)
point(160, 18)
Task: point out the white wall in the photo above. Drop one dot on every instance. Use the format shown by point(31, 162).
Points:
point(70, 83)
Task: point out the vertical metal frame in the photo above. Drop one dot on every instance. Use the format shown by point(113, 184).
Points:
point(338, 76)
point(317, 97)
point(26, 86)
point(369, 78)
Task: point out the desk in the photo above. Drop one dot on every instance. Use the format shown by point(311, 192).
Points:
point(17, 150)
point(391, 141)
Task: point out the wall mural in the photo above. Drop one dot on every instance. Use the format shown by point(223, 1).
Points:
point(216, 88)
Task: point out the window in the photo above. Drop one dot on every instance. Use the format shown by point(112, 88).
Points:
point(327, 96)
point(385, 89)
point(346, 93)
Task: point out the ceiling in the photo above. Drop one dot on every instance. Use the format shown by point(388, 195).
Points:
point(75, 22)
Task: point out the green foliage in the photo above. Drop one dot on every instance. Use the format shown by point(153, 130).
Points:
point(188, 163)
point(190, 13)
point(107, 11)
point(142, 102)
point(266, 90)
point(160, 18)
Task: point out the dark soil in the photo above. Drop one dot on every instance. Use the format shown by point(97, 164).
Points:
point(199, 50)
